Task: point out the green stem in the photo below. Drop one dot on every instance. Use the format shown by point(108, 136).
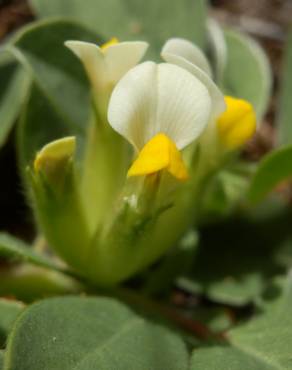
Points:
point(104, 170)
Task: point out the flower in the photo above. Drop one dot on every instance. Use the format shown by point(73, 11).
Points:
point(186, 55)
point(104, 227)
point(234, 120)
point(105, 65)
point(159, 109)
point(188, 51)
point(237, 124)
point(106, 153)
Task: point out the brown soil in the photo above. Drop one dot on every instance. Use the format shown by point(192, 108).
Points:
point(13, 14)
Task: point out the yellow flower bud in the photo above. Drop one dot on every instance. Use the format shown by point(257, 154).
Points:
point(237, 124)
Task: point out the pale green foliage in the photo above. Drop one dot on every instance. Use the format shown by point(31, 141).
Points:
point(14, 83)
point(60, 94)
point(273, 169)
point(9, 310)
point(17, 250)
point(91, 333)
point(262, 344)
point(154, 21)
point(247, 72)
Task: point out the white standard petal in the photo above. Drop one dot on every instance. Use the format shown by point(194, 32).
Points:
point(218, 103)
point(123, 56)
point(159, 98)
point(93, 61)
point(188, 51)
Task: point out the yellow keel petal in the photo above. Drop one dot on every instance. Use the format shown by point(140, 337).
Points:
point(158, 154)
point(176, 165)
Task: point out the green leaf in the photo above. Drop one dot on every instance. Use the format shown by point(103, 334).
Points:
point(14, 82)
point(55, 70)
point(60, 96)
point(16, 249)
point(152, 20)
point(226, 191)
point(29, 283)
point(91, 333)
point(273, 169)
point(108, 18)
point(218, 49)
point(39, 124)
point(222, 358)
point(285, 110)
point(177, 261)
point(229, 266)
point(264, 343)
point(216, 319)
point(1, 359)
point(247, 73)
point(156, 21)
point(9, 310)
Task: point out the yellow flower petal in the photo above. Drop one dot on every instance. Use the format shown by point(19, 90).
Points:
point(237, 124)
point(112, 41)
point(158, 154)
point(176, 165)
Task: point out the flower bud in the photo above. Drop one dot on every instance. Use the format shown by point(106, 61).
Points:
point(58, 203)
point(54, 158)
point(237, 124)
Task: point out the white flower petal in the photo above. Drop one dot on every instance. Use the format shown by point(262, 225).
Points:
point(188, 51)
point(123, 56)
point(93, 60)
point(161, 98)
point(218, 103)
